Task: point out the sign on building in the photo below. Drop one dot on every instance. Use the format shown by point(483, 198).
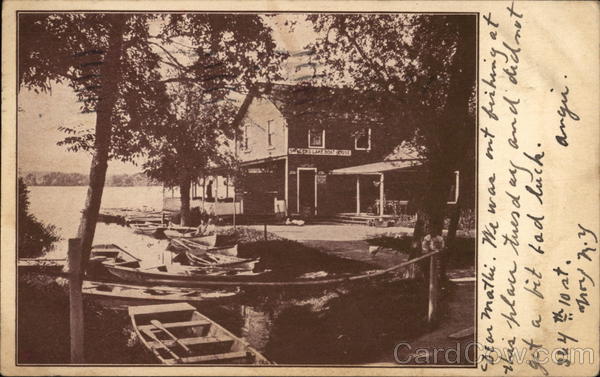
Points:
point(320, 152)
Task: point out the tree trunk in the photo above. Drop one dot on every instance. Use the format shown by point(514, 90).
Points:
point(432, 205)
point(452, 135)
point(109, 79)
point(184, 192)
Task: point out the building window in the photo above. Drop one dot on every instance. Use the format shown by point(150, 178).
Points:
point(362, 140)
point(316, 139)
point(244, 145)
point(269, 134)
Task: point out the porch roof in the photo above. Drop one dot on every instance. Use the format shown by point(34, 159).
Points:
point(379, 167)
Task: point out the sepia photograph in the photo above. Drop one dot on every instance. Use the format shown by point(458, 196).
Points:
point(246, 188)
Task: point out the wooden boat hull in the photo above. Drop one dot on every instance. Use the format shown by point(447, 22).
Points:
point(209, 260)
point(209, 240)
point(184, 244)
point(45, 266)
point(122, 295)
point(148, 229)
point(200, 278)
point(205, 341)
point(100, 254)
point(196, 249)
point(182, 233)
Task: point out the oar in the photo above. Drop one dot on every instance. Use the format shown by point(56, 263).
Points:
point(155, 338)
point(159, 326)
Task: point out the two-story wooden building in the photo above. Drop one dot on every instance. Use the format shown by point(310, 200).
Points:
point(294, 144)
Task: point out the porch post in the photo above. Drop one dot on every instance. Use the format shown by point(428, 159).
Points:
point(203, 191)
point(234, 209)
point(286, 184)
point(216, 194)
point(358, 195)
point(381, 196)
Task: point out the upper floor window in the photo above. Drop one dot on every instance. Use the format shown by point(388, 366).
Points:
point(362, 140)
point(316, 139)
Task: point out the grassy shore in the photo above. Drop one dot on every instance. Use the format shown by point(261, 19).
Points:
point(43, 327)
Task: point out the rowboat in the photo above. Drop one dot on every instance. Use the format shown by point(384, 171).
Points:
point(148, 229)
point(119, 295)
point(209, 260)
point(198, 248)
point(231, 250)
point(100, 254)
point(114, 254)
point(178, 334)
point(209, 240)
point(180, 231)
point(47, 266)
point(144, 217)
point(180, 275)
point(181, 228)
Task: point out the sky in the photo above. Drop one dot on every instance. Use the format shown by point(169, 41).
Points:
point(40, 115)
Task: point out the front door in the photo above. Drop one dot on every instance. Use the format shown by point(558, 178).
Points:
point(306, 192)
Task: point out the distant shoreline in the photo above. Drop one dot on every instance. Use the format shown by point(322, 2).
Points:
point(53, 178)
point(35, 185)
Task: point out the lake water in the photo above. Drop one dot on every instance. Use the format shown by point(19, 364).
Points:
point(337, 325)
point(61, 206)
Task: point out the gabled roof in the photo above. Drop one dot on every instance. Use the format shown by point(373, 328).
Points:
point(323, 106)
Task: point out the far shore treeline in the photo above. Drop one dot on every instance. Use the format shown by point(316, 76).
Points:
point(77, 179)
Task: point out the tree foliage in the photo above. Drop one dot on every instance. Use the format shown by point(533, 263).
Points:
point(406, 59)
point(107, 60)
point(422, 66)
point(195, 139)
point(70, 49)
point(207, 57)
point(35, 237)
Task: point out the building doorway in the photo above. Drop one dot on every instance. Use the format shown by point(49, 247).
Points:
point(307, 191)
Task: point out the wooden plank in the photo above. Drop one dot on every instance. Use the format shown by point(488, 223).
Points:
point(433, 290)
point(159, 344)
point(75, 301)
point(200, 340)
point(215, 357)
point(172, 325)
point(161, 308)
point(160, 326)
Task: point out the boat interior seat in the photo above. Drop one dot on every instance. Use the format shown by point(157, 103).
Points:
point(172, 325)
point(224, 341)
point(215, 357)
